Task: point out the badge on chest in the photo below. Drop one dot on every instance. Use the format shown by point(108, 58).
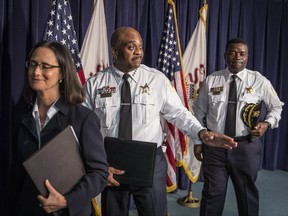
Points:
point(106, 91)
point(216, 90)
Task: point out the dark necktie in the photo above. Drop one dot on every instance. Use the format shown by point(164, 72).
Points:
point(125, 125)
point(230, 125)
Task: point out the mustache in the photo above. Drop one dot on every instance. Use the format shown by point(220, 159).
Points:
point(137, 57)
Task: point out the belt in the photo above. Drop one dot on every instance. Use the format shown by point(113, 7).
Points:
point(242, 138)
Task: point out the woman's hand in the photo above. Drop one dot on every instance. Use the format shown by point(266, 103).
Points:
point(55, 200)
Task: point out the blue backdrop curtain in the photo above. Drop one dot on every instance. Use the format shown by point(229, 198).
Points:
point(263, 23)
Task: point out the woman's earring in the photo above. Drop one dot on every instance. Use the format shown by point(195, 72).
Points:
point(60, 81)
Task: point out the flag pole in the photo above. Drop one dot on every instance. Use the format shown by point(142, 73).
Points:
point(190, 201)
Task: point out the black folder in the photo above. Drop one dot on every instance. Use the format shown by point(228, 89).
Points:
point(59, 161)
point(136, 158)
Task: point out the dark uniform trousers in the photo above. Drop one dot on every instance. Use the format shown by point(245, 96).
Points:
point(242, 165)
point(149, 201)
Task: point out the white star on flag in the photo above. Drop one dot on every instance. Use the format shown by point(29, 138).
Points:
point(60, 28)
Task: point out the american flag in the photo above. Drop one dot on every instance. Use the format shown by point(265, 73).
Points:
point(60, 27)
point(170, 63)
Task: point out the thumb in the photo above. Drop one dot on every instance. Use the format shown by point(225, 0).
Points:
point(49, 187)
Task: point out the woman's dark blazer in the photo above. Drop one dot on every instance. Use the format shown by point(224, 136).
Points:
point(87, 128)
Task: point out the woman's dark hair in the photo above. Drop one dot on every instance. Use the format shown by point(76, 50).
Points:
point(70, 88)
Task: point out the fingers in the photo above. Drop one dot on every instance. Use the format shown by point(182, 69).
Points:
point(198, 152)
point(44, 203)
point(54, 202)
point(259, 129)
point(230, 145)
point(111, 180)
point(225, 141)
point(49, 187)
point(199, 156)
point(227, 147)
point(116, 171)
point(220, 140)
point(41, 200)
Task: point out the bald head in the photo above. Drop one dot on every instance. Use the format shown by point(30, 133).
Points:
point(120, 34)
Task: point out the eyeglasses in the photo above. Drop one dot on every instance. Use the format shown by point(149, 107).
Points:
point(44, 67)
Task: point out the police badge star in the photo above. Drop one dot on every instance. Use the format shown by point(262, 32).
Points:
point(252, 114)
point(249, 90)
point(145, 89)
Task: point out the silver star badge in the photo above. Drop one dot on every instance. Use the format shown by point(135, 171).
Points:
point(145, 89)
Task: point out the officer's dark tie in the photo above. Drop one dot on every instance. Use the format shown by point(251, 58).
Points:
point(125, 125)
point(230, 125)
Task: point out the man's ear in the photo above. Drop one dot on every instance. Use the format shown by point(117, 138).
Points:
point(114, 52)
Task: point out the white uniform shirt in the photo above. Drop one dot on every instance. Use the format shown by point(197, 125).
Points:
point(252, 87)
point(152, 96)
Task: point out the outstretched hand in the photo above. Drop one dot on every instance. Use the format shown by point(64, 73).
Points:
point(55, 200)
point(217, 140)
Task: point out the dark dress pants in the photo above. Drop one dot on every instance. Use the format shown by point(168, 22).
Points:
point(242, 165)
point(149, 201)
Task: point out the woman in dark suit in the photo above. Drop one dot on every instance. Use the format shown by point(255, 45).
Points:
point(53, 97)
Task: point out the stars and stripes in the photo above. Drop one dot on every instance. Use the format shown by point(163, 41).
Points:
point(169, 62)
point(169, 57)
point(60, 27)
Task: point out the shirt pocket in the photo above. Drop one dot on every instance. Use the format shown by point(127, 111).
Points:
point(106, 109)
point(249, 98)
point(145, 108)
point(217, 103)
point(215, 100)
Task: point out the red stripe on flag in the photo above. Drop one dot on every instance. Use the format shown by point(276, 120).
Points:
point(81, 76)
point(170, 63)
point(171, 160)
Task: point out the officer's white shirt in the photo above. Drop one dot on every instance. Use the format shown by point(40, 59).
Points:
point(152, 96)
point(252, 87)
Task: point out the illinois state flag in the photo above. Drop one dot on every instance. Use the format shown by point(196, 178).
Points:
point(60, 28)
point(94, 51)
point(194, 61)
point(194, 57)
point(94, 56)
point(170, 63)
